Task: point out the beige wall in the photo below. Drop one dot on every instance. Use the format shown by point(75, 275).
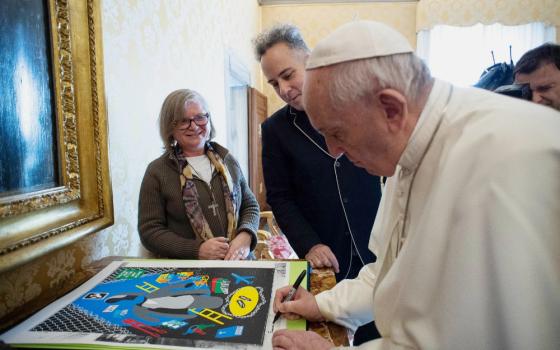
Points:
point(316, 21)
point(150, 48)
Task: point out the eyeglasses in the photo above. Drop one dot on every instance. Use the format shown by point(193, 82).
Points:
point(200, 120)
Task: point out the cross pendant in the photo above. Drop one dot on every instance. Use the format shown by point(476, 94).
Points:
point(214, 207)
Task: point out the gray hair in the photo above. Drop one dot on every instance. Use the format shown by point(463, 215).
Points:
point(280, 33)
point(172, 112)
point(357, 80)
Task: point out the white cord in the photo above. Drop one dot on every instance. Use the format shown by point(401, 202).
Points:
point(338, 189)
point(346, 217)
point(310, 139)
point(382, 180)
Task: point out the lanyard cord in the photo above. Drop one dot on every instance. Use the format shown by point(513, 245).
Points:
point(309, 137)
point(338, 190)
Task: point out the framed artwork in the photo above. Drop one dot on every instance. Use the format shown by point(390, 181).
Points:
point(54, 176)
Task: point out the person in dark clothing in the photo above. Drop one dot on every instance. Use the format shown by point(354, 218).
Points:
point(324, 204)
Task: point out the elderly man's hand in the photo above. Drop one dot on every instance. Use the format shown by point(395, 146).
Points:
point(302, 305)
point(321, 255)
point(299, 340)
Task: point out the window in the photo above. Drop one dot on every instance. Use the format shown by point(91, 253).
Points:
point(460, 54)
point(237, 79)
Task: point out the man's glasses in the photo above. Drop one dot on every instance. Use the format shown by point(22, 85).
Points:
point(200, 120)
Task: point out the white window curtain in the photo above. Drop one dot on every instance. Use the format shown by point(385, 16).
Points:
point(460, 54)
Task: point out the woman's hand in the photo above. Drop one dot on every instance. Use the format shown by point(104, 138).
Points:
point(240, 247)
point(321, 255)
point(213, 249)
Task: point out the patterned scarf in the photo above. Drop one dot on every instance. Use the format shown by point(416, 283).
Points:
point(190, 195)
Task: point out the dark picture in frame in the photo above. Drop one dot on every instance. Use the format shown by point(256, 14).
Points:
point(54, 182)
point(27, 119)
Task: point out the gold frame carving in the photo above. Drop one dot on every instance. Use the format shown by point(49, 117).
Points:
point(36, 223)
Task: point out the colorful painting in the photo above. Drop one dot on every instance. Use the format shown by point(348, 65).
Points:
point(145, 305)
point(189, 304)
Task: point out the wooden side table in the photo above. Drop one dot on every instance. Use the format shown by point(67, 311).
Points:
point(321, 280)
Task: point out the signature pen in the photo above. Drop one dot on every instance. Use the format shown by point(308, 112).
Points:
point(291, 293)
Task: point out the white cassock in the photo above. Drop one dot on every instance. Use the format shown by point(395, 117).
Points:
point(467, 236)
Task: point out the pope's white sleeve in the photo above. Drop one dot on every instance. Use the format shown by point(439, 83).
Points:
point(503, 281)
point(350, 302)
point(500, 277)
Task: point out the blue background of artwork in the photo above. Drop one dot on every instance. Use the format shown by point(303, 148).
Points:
point(252, 328)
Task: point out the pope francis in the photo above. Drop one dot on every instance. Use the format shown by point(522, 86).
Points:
point(468, 230)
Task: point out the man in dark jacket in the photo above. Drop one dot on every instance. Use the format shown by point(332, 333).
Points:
point(325, 205)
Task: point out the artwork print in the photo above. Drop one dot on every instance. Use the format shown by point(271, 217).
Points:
point(172, 306)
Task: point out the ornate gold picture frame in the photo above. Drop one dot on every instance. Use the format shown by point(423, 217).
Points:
point(35, 223)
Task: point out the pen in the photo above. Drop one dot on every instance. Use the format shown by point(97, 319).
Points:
point(292, 292)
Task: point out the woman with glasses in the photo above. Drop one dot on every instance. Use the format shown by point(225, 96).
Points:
point(194, 200)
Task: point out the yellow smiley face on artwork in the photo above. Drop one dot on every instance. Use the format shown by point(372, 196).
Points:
point(243, 301)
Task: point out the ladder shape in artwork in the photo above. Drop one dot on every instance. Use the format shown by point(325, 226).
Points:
point(147, 287)
point(210, 315)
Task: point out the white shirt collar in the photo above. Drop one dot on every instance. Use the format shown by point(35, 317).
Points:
point(426, 126)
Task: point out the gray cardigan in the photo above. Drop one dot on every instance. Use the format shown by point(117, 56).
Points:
point(162, 222)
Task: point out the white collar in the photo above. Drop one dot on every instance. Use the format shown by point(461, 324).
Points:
point(427, 124)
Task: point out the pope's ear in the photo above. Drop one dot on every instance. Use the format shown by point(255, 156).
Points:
point(395, 108)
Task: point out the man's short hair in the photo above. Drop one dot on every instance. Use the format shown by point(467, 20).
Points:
point(538, 57)
point(280, 33)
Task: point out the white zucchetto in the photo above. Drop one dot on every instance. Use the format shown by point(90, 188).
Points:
point(357, 40)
